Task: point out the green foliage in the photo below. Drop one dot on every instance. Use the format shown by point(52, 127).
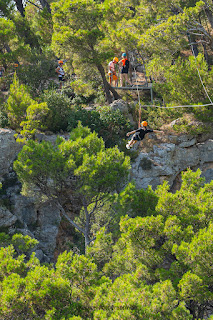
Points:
point(82, 20)
point(188, 209)
point(110, 124)
point(9, 38)
point(37, 73)
point(129, 298)
point(182, 84)
point(4, 239)
point(197, 254)
point(18, 102)
point(24, 31)
point(88, 118)
point(79, 32)
point(41, 24)
point(59, 111)
point(188, 125)
point(136, 202)
point(34, 295)
point(160, 262)
point(9, 265)
point(3, 118)
point(101, 250)
point(42, 161)
point(35, 120)
point(160, 267)
point(23, 244)
point(138, 241)
point(81, 166)
point(115, 123)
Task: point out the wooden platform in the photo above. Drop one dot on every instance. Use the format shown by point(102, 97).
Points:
point(148, 86)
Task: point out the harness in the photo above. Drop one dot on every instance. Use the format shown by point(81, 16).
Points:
point(61, 72)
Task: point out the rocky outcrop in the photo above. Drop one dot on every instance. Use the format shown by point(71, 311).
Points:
point(165, 161)
point(23, 214)
point(157, 161)
point(124, 108)
point(9, 149)
point(7, 219)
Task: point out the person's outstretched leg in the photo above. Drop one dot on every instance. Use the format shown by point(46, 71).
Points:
point(130, 143)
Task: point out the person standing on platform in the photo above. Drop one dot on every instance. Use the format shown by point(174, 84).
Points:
point(124, 64)
point(112, 72)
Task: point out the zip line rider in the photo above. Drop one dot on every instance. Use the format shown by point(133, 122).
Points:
point(60, 71)
point(112, 72)
point(139, 134)
point(124, 63)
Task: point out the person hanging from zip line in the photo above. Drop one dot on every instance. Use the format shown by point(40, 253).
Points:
point(60, 71)
point(124, 64)
point(139, 134)
point(112, 72)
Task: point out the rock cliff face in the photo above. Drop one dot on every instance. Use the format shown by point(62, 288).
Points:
point(22, 214)
point(157, 160)
point(166, 160)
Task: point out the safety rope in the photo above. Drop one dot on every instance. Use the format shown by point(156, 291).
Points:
point(199, 73)
point(185, 106)
point(139, 100)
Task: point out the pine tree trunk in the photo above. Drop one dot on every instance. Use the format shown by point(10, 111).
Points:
point(209, 15)
point(193, 45)
point(45, 4)
point(20, 7)
point(107, 87)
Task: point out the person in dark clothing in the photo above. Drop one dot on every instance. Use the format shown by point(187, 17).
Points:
point(139, 134)
point(124, 64)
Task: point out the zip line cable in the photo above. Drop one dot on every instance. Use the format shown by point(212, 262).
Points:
point(185, 106)
point(199, 73)
point(139, 100)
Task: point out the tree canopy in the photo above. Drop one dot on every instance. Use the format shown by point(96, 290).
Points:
point(146, 254)
point(79, 170)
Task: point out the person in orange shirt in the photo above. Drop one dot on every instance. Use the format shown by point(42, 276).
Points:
point(124, 64)
point(112, 72)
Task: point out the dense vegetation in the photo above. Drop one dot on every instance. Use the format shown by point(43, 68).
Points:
point(158, 265)
point(143, 254)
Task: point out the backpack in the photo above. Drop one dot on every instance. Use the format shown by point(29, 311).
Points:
point(127, 64)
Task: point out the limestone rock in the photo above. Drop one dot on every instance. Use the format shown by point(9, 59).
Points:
point(121, 105)
point(167, 160)
point(24, 209)
point(9, 149)
point(7, 219)
point(47, 239)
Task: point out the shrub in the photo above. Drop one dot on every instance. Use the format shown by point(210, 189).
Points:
point(180, 83)
point(36, 118)
point(188, 125)
point(115, 124)
point(89, 118)
point(18, 102)
point(3, 119)
point(37, 75)
point(110, 124)
point(59, 110)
